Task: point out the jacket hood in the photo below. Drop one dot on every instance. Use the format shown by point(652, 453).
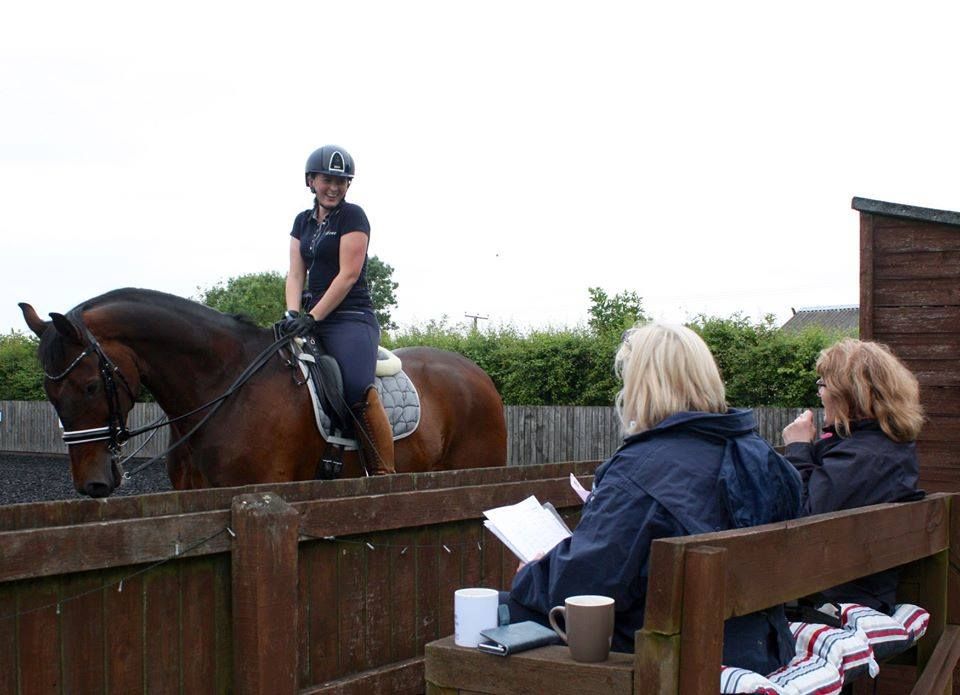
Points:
point(754, 484)
point(733, 423)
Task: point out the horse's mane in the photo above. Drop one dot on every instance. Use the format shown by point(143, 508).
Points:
point(52, 349)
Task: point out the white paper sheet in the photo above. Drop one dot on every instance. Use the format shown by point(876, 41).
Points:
point(526, 528)
point(581, 491)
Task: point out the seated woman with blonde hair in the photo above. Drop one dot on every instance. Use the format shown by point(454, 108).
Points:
point(867, 452)
point(688, 465)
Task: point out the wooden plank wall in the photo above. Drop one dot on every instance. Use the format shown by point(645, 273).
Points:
point(377, 565)
point(547, 434)
point(910, 300)
point(153, 633)
point(535, 434)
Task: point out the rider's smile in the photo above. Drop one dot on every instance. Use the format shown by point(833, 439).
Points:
point(330, 190)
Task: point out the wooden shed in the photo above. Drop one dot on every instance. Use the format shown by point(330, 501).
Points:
point(910, 300)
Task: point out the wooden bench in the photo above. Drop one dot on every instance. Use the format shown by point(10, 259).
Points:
point(696, 582)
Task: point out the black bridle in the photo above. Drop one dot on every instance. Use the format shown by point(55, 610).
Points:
point(116, 433)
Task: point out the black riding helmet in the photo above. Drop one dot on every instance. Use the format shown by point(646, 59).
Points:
point(330, 160)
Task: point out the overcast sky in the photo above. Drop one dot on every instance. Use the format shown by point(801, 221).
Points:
point(509, 154)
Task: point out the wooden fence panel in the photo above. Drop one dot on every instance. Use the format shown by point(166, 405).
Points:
point(199, 619)
point(33, 427)
point(8, 638)
point(39, 638)
point(913, 293)
point(369, 597)
point(82, 628)
point(544, 434)
point(123, 631)
point(402, 563)
point(924, 265)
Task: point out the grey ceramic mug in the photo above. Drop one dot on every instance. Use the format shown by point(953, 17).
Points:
point(589, 626)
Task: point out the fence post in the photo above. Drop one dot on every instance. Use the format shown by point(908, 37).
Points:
point(264, 574)
point(704, 601)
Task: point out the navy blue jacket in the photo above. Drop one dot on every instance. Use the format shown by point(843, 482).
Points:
point(847, 472)
point(692, 473)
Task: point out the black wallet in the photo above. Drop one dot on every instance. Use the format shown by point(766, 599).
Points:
point(518, 637)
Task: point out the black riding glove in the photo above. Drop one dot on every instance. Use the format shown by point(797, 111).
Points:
point(289, 316)
point(296, 324)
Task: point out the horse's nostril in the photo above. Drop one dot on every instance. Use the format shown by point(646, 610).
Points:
point(97, 489)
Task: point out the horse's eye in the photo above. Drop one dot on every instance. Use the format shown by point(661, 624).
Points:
point(91, 388)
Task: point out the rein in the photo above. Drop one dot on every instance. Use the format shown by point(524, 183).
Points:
point(115, 433)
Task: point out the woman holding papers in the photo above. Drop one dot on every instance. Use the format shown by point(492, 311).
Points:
point(688, 465)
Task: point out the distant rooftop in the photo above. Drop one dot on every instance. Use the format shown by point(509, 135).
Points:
point(845, 318)
point(911, 212)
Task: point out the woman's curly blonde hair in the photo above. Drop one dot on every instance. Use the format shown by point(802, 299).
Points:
point(867, 382)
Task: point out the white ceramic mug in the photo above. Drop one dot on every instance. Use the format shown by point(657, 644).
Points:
point(473, 610)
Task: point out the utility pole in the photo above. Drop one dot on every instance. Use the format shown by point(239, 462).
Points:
point(475, 318)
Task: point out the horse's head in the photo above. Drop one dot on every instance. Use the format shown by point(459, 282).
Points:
point(91, 385)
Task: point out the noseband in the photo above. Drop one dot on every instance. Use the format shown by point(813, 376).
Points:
point(115, 433)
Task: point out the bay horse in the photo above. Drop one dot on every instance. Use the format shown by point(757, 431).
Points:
point(98, 356)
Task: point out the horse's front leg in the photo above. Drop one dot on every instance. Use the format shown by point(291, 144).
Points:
point(183, 476)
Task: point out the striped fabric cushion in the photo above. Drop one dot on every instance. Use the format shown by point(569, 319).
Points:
point(913, 618)
point(886, 635)
point(740, 680)
point(849, 652)
point(805, 675)
point(827, 657)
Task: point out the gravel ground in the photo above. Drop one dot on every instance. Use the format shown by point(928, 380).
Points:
point(39, 477)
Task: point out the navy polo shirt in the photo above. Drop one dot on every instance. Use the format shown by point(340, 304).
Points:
point(320, 250)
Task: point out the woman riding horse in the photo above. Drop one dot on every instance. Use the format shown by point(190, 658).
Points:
point(328, 250)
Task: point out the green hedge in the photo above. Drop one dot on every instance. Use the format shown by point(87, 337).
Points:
point(761, 365)
point(21, 378)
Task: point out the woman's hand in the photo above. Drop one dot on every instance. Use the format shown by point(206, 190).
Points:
point(800, 430)
point(524, 564)
point(298, 326)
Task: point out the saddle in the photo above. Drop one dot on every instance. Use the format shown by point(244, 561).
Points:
point(321, 374)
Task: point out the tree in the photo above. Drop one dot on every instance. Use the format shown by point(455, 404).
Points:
point(613, 315)
point(259, 296)
point(760, 364)
point(21, 378)
point(381, 284)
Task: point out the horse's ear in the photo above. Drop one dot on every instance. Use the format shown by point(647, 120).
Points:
point(36, 324)
point(65, 328)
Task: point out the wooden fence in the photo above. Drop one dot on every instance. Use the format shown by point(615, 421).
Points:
point(316, 587)
point(541, 434)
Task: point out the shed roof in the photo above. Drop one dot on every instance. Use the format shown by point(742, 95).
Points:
point(835, 318)
point(911, 212)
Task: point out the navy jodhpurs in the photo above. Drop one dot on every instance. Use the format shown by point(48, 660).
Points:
point(352, 338)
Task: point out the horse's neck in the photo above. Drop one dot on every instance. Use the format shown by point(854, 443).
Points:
point(185, 365)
